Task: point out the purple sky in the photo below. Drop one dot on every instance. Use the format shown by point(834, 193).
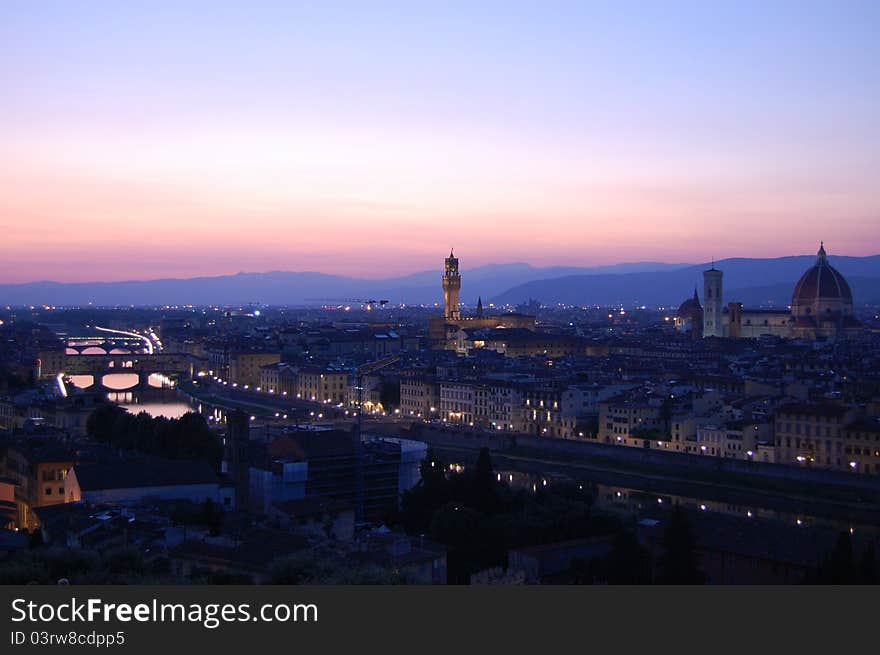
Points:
point(366, 139)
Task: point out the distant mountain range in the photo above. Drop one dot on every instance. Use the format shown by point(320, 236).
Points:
point(754, 282)
point(298, 288)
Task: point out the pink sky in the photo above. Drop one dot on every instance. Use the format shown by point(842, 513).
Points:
point(110, 205)
point(140, 143)
point(113, 206)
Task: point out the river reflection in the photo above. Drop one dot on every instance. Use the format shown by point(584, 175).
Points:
point(155, 402)
point(639, 503)
point(174, 409)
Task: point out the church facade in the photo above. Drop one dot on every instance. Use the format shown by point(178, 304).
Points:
point(821, 308)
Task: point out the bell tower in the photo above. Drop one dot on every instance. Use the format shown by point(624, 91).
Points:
point(713, 297)
point(451, 287)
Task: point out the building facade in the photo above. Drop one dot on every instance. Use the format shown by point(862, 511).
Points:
point(821, 308)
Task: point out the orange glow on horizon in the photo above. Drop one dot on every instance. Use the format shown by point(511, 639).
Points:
point(114, 207)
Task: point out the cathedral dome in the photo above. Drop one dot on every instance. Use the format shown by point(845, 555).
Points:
point(821, 282)
point(689, 317)
point(690, 307)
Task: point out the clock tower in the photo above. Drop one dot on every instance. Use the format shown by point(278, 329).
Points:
point(451, 287)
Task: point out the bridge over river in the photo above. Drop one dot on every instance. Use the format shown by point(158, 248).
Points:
point(105, 371)
point(120, 360)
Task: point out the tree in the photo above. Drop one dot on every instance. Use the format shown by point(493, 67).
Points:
point(455, 525)
point(628, 562)
point(432, 470)
point(418, 505)
point(842, 568)
point(868, 573)
point(124, 560)
point(678, 564)
point(102, 420)
point(483, 483)
point(298, 568)
point(188, 437)
point(838, 566)
point(458, 527)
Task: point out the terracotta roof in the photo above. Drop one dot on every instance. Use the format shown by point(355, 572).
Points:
point(821, 281)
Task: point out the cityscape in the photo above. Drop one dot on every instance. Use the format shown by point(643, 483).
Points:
point(482, 295)
point(366, 441)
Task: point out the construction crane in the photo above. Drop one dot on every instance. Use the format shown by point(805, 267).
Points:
point(369, 303)
point(361, 371)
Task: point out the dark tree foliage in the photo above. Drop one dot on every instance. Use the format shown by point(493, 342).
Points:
point(868, 570)
point(479, 518)
point(389, 394)
point(678, 564)
point(432, 492)
point(48, 565)
point(460, 528)
point(187, 437)
point(308, 567)
point(842, 563)
point(124, 560)
point(456, 526)
point(483, 483)
point(628, 563)
point(839, 567)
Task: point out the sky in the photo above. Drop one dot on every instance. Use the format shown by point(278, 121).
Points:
point(175, 139)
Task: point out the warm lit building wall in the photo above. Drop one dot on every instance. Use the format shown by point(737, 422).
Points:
point(545, 413)
point(419, 396)
point(321, 386)
point(9, 511)
point(683, 433)
point(620, 420)
point(244, 368)
point(457, 402)
point(51, 361)
point(505, 407)
point(37, 483)
point(270, 378)
point(279, 378)
point(754, 324)
point(437, 325)
point(861, 446)
point(813, 435)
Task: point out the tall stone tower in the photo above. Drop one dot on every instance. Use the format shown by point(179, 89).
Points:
point(451, 287)
point(713, 299)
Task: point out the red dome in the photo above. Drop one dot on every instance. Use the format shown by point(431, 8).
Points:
point(821, 281)
point(690, 307)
